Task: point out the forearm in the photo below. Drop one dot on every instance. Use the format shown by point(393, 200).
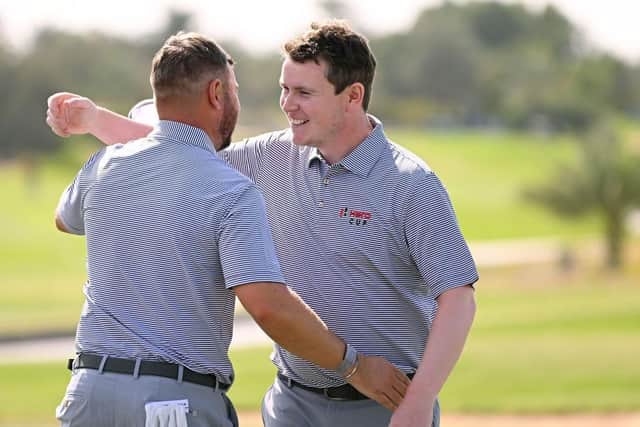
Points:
point(299, 330)
point(445, 344)
point(112, 128)
point(291, 323)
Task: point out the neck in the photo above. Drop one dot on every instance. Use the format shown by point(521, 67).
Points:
point(352, 134)
point(192, 117)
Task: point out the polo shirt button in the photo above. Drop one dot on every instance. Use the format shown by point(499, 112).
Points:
point(326, 181)
point(320, 204)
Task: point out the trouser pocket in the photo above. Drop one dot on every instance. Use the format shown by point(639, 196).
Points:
point(70, 409)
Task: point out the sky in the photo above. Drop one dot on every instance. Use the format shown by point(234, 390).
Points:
point(612, 25)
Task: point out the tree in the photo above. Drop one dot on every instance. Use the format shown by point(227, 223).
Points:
point(110, 70)
point(7, 85)
point(605, 180)
point(497, 25)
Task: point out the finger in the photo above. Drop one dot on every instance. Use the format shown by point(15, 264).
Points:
point(384, 400)
point(55, 122)
point(54, 101)
point(52, 116)
point(52, 105)
point(394, 396)
point(400, 387)
point(403, 378)
point(56, 130)
point(55, 111)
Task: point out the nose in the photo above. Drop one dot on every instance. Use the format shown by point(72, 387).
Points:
point(287, 103)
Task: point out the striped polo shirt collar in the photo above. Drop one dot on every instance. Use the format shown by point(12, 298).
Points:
point(184, 133)
point(361, 160)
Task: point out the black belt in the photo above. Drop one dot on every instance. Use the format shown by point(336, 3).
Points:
point(343, 392)
point(157, 369)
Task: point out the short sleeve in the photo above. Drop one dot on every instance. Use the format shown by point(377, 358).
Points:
point(435, 241)
point(70, 209)
point(247, 253)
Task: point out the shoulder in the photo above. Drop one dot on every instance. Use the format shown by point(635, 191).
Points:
point(268, 140)
point(408, 165)
point(415, 182)
point(90, 168)
point(255, 151)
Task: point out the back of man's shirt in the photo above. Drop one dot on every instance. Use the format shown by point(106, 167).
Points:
point(170, 230)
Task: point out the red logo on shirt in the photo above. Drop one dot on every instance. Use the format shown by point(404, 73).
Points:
point(355, 217)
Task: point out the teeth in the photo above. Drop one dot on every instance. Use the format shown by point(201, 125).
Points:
point(297, 122)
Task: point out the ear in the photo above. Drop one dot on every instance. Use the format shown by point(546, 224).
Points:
point(355, 95)
point(215, 94)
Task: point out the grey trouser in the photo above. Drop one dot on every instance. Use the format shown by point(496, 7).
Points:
point(285, 406)
point(106, 399)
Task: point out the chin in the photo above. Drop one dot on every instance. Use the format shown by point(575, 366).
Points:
point(296, 138)
point(301, 138)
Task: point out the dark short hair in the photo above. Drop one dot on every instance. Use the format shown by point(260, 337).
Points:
point(347, 54)
point(185, 63)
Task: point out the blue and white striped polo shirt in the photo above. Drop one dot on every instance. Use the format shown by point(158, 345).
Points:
point(368, 243)
point(170, 229)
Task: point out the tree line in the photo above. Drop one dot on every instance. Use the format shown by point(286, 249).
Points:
point(481, 64)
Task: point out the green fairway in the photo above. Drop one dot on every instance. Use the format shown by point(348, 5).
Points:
point(42, 269)
point(546, 342)
point(542, 342)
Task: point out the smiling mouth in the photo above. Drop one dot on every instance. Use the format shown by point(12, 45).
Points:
point(295, 123)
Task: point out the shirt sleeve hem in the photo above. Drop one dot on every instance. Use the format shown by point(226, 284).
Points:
point(455, 282)
point(67, 227)
point(267, 276)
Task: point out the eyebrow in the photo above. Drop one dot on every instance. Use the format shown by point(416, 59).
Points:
point(305, 88)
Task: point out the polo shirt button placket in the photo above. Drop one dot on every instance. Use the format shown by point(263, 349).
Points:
point(323, 185)
point(323, 203)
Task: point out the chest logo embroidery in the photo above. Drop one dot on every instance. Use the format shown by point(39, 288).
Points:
point(355, 217)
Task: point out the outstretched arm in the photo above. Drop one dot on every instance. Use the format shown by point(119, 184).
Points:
point(71, 114)
point(449, 332)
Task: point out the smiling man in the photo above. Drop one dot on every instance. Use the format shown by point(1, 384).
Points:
point(364, 230)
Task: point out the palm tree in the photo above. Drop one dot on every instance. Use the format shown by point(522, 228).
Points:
point(606, 179)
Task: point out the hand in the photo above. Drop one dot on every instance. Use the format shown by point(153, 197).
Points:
point(409, 414)
point(380, 380)
point(70, 114)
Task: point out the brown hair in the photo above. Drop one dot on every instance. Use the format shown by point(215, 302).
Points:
point(185, 63)
point(347, 54)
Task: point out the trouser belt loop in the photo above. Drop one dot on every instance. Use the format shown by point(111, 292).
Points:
point(102, 363)
point(136, 369)
point(181, 374)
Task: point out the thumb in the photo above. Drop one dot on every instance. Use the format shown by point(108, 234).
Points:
point(77, 103)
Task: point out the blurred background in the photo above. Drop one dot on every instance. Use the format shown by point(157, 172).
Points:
point(528, 110)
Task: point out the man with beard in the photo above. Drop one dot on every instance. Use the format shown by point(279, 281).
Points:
point(173, 234)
